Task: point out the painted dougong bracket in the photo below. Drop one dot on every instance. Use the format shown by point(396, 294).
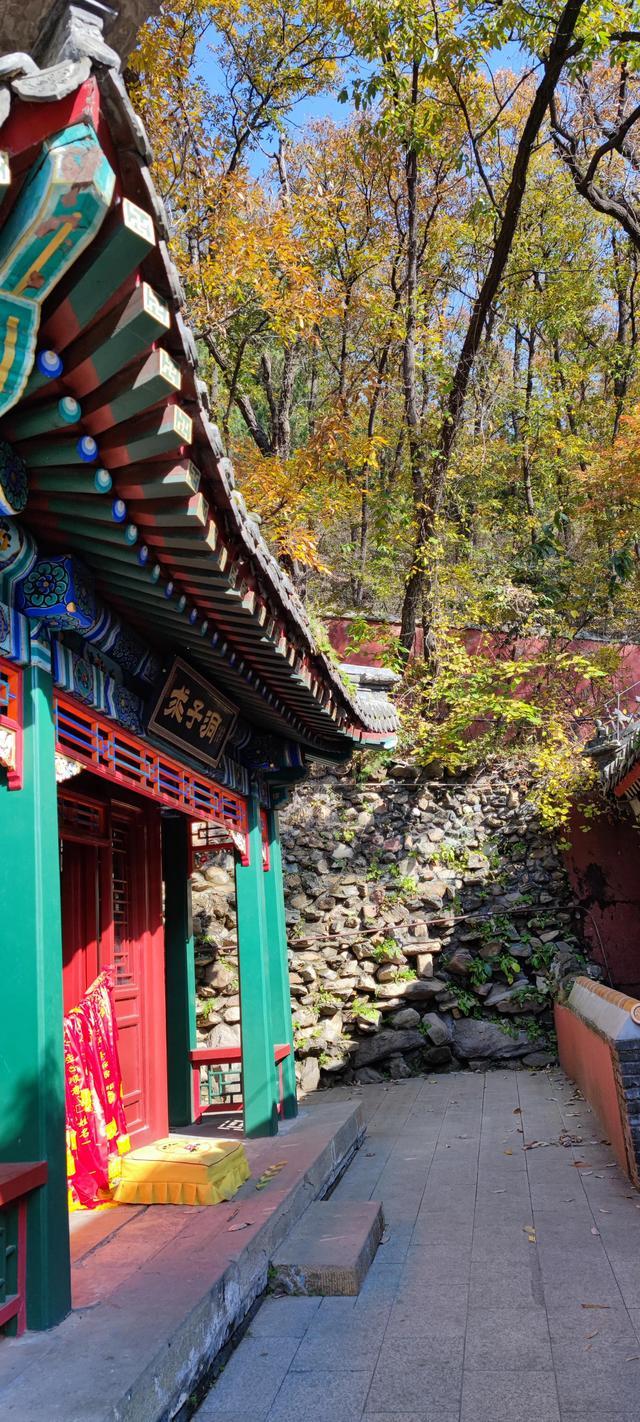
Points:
point(58, 213)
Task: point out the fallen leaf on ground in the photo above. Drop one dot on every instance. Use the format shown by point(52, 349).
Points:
point(245, 1225)
point(507, 1152)
point(595, 1231)
point(590, 1305)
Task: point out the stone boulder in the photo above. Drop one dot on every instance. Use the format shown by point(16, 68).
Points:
point(438, 1029)
point(309, 1075)
point(224, 1036)
point(388, 1044)
point(473, 1038)
point(460, 962)
point(415, 990)
point(406, 1017)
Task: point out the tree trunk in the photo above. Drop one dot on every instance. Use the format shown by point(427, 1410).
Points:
point(559, 51)
point(415, 582)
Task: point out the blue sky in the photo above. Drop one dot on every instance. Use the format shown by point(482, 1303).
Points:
point(326, 105)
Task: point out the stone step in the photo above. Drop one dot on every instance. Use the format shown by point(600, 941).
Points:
point(330, 1250)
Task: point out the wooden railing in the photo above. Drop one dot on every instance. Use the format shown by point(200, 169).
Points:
point(16, 1181)
point(223, 1078)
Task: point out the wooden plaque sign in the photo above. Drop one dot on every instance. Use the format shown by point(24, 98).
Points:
point(192, 715)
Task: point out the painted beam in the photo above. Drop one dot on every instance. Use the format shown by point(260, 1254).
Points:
point(79, 449)
point(32, 1120)
point(180, 976)
point(190, 514)
point(46, 418)
point(131, 392)
point(258, 1067)
point(126, 239)
point(165, 431)
point(83, 479)
point(118, 338)
point(153, 481)
point(57, 214)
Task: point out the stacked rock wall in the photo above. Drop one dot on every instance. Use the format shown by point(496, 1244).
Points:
point(429, 923)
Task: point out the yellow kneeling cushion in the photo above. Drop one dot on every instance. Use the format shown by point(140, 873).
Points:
point(182, 1170)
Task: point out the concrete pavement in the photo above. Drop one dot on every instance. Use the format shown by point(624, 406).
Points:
point(508, 1288)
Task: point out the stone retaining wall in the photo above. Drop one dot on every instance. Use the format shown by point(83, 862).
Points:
point(429, 923)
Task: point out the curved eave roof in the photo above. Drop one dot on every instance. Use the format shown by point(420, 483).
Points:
point(182, 560)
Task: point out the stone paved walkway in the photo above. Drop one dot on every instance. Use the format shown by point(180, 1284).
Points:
point(509, 1286)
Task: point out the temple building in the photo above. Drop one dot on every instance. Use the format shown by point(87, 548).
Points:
point(160, 684)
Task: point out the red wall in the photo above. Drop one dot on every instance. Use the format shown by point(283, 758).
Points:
point(586, 1058)
point(604, 869)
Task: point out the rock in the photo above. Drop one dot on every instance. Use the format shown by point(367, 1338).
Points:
point(475, 1038)
point(387, 974)
point(303, 1017)
point(439, 1029)
point(342, 852)
point(539, 1059)
point(460, 962)
point(416, 989)
point(433, 894)
point(398, 1069)
point(309, 1075)
point(220, 976)
point(437, 1056)
point(520, 997)
point(232, 1015)
point(424, 965)
point(387, 1044)
point(368, 1076)
point(224, 1036)
point(406, 1017)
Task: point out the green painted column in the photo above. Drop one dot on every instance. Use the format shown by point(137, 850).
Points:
point(278, 963)
point(32, 1114)
point(258, 1068)
point(180, 976)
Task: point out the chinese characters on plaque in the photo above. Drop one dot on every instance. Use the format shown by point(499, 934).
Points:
point(192, 715)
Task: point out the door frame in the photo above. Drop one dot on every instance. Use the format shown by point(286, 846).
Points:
point(146, 906)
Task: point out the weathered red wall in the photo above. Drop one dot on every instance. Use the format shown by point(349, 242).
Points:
point(586, 1058)
point(604, 868)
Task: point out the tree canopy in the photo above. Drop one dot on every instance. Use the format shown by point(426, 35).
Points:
point(417, 309)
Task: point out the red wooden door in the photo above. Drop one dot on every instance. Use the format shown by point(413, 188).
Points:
point(112, 919)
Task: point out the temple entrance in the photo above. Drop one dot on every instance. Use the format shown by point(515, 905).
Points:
point(110, 854)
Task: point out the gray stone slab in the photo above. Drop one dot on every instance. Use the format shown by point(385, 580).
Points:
point(284, 1318)
point(330, 1250)
point(253, 1373)
point(496, 1396)
point(496, 1284)
point(516, 1338)
point(442, 1343)
point(614, 1388)
point(425, 1386)
point(324, 1395)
